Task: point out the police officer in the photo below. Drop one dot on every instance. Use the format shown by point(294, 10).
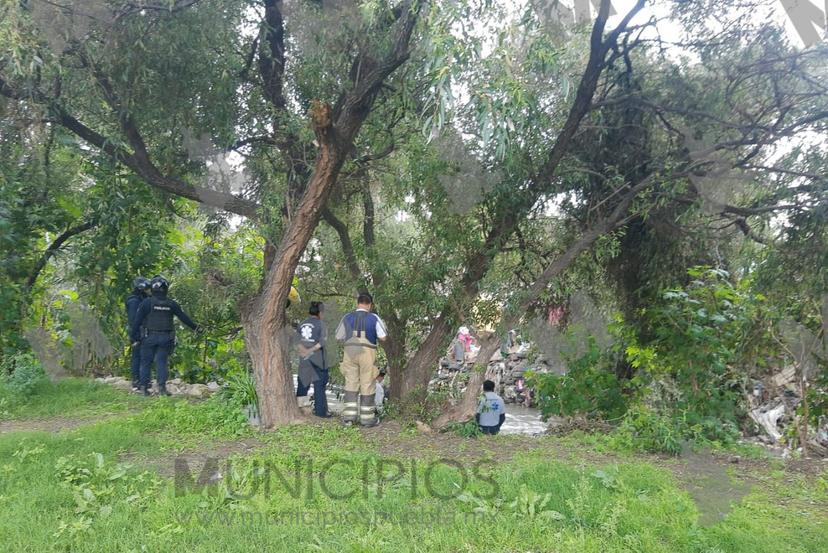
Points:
point(313, 365)
point(154, 329)
point(140, 290)
point(360, 330)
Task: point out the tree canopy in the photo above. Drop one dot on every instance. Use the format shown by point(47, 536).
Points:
point(473, 162)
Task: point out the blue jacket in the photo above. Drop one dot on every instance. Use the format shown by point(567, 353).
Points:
point(133, 302)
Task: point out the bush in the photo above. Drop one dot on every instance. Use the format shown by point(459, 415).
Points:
point(588, 388)
point(468, 429)
point(241, 389)
point(645, 429)
point(21, 374)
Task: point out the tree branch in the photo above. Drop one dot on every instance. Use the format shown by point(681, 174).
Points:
point(347, 246)
point(53, 248)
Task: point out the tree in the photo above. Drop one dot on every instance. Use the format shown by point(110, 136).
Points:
point(124, 57)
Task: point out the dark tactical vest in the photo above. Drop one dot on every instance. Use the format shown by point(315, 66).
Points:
point(356, 330)
point(160, 317)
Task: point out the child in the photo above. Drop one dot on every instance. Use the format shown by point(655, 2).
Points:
point(491, 411)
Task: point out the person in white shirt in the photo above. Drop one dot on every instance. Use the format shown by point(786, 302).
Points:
point(491, 410)
point(379, 395)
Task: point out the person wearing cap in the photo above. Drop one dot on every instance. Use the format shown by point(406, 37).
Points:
point(140, 290)
point(360, 330)
point(153, 328)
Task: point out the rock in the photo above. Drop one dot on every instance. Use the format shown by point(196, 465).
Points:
point(496, 357)
point(173, 388)
point(509, 394)
point(424, 428)
point(175, 381)
point(213, 386)
point(122, 384)
point(198, 390)
point(785, 378)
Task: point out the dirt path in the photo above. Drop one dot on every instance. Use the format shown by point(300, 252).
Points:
point(56, 424)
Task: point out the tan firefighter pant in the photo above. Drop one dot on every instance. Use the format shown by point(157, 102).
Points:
point(359, 367)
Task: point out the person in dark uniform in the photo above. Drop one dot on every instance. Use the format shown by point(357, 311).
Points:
point(313, 363)
point(154, 329)
point(140, 290)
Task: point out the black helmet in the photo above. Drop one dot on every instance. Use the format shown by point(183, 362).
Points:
point(159, 283)
point(141, 283)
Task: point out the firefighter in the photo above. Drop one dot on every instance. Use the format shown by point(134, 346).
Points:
point(360, 331)
point(140, 291)
point(154, 330)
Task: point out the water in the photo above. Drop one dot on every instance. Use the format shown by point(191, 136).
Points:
point(522, 420)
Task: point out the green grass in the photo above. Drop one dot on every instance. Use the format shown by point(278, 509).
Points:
point(56, 494)
point(73, 397)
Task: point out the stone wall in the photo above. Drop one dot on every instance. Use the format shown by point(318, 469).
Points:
point(175, 387)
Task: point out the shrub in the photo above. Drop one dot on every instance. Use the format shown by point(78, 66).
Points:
point(21, 374)
point(645, 429)
point(467, 429)
point(588, 388)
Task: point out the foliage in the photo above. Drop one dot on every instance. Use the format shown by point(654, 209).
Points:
point(648, 430)
point(214, 416)
point(21, 374)
point(705, 341)
point(588, 387)
point(97, 487)
point(241, 390)
point(467, 429)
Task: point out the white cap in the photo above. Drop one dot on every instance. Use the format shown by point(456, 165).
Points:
point(464, 330)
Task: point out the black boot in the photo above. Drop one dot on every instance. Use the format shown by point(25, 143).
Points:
point(162, 391)
point(145, 390)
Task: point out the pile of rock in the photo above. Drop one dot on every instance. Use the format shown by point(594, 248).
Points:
point(176, 386)
point(505, 370)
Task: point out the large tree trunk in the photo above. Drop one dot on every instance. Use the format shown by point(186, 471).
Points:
point(395, 352)
point(268, 336)
point(269, 353)
point(266, 331)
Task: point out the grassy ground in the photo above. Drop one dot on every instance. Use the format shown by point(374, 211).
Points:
point(110, 485)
